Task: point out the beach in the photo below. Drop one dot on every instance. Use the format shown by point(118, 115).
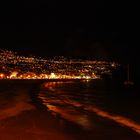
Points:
point(20, 119)
point(24, 115)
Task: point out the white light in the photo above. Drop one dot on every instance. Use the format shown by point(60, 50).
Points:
point(53, 76)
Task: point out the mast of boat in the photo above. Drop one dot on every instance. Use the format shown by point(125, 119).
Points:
point(128, 72)
point(128, 81)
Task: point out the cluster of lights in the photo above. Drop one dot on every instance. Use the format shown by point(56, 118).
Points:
point(15, 75)
point(13, 66)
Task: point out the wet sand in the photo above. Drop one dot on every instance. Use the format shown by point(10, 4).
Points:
point(22, 117)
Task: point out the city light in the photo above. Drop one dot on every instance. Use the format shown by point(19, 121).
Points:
point(14, 66)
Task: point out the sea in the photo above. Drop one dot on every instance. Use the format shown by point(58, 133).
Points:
point(99, 107)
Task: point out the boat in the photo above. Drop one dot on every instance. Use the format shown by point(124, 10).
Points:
point(128, 82)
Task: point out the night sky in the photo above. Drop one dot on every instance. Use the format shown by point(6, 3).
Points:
point(101, 29)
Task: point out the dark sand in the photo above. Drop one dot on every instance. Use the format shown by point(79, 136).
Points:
point(22, 117)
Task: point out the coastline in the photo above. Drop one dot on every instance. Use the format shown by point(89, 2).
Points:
point(26, 118)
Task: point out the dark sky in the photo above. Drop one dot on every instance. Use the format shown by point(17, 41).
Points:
point(101, 29)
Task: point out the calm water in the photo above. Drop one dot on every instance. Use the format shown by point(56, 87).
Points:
point(93, 105)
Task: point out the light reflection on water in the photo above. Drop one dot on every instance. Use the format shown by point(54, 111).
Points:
point(74, 103)
point(64, 103)
point(71, 115)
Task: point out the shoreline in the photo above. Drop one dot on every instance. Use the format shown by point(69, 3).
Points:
point(34, 121)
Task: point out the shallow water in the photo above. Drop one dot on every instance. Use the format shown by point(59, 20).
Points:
point(80, 102)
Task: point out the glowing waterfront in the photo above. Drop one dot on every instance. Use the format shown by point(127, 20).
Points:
point(15, 75)
point(14, 66)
